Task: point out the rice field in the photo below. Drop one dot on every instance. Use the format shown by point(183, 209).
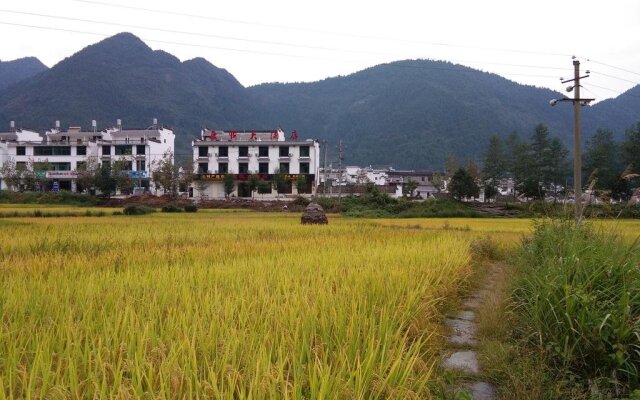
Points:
point(229, 305)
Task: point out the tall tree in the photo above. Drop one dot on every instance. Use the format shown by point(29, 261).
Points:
point(631, 153)
point(600, 161)
point(463, 185)
point(228, 185)
point(540, 157)
point(558, 165)
point(494, 166)
point(166, 174)
point(11, 174)
point(86, 174)
point(451, 165)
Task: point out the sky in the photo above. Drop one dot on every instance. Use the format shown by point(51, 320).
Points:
point(529, 42)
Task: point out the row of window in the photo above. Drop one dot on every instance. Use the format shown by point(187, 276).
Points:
point(119, 150)
point(66, 166)
point(243, 168)
point(243, 151)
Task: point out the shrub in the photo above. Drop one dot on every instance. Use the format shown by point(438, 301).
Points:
point(170, 208)
point(579, 299)
point(134, 209)
point(190, 208)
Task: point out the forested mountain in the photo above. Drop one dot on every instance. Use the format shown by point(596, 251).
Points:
point(16, 70)
point(409, 114)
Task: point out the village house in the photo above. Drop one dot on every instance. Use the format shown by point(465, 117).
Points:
point(258, 153)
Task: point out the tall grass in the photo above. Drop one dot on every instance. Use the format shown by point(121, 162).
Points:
point(579, 299)
point(222, 305)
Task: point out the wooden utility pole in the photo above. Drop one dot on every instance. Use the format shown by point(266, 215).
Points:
point(577, 156)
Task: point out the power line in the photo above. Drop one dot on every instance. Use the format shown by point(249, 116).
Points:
point(271, 53)
point(613, 66)
point(270, 42)
point(616, 77)
point(377, 38)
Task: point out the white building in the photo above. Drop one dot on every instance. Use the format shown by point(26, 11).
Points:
point(62, 152)
point(242, 154)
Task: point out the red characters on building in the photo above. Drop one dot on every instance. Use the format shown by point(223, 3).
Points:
point(213, 135)
point(294, 135)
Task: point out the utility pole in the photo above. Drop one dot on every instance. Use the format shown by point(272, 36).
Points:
point(577, 157)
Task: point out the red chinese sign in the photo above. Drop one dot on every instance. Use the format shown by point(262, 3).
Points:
point(213, 135)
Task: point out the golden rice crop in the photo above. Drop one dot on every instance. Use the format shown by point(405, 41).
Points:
point(221, 305)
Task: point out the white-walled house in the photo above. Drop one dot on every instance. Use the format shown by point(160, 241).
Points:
point(64, 151)
point(262, 153)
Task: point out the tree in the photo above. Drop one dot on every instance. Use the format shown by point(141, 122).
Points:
point(437, 182)
point(166, 174)
point(104, 180)
point(631, 153)
point(252, 183)
point(301, 184)
point(463, 185)
point(264, 187)
point(409, 187)
point(522, 167)
point(228, 184)
point(120, 173)
point(11, 175)
point(558, 165)
point(490, 191)
point(36, 174)
point(279, 182)
point(86, 174)
point(451, 165)
point(600, 160)
point(540, 148)
point(494, 166)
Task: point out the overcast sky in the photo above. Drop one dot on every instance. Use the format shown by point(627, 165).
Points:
point(530, 42)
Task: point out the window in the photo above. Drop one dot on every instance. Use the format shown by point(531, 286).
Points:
point(106, 150)
point(243, 168)
point(203, 167)
point(263, 168)
point(21, 151)
point(304, 167)
point(52, 151)
point(263, 151)
point(203, 151)
point(243, 151)
point(223, 168)
point(81, 150)
point(284, 167)
point(284, 151)
point(141, 165)
point(223, 151)
point(304, 151)
point(81, 165)
point(122, 150)
point(140, 149)
point(59, 166)
point(124, 165)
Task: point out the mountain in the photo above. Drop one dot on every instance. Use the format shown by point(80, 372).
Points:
point(409, 114)
point(17, 70)
point(121, 77)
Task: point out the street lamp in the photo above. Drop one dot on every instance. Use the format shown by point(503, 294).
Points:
point(577, 162)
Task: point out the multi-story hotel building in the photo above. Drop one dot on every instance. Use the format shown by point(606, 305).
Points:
point(263, 154)
point(62, 152)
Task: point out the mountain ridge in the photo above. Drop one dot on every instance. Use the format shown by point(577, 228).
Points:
point(407, 113)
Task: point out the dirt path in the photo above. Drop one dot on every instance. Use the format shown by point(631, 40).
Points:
point(461, 357)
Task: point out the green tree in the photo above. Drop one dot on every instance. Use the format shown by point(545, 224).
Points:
point(540, 157)
point(437, 181)
point(631, 154)
point(409, 187)
point(463, 185)
point(86, 174)
point(120, 171)
point(36, 174)
point(494, 166)
point(600, 162)
point(228, 185)
point(166, 175)
point(252, 183)
point(279, 182)
point(105, 182)
point(558, 167)
point(11, 175)
point(264, 187)
point(451, 165)
point(522, 167)
point(301, 184)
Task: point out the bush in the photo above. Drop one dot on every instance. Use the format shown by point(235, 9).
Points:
point(579, 299)
point(137, 210)
point(171, 208)
point(190, 208)
point(301, 201)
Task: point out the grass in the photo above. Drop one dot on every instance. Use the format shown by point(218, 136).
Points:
point(223, 305)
